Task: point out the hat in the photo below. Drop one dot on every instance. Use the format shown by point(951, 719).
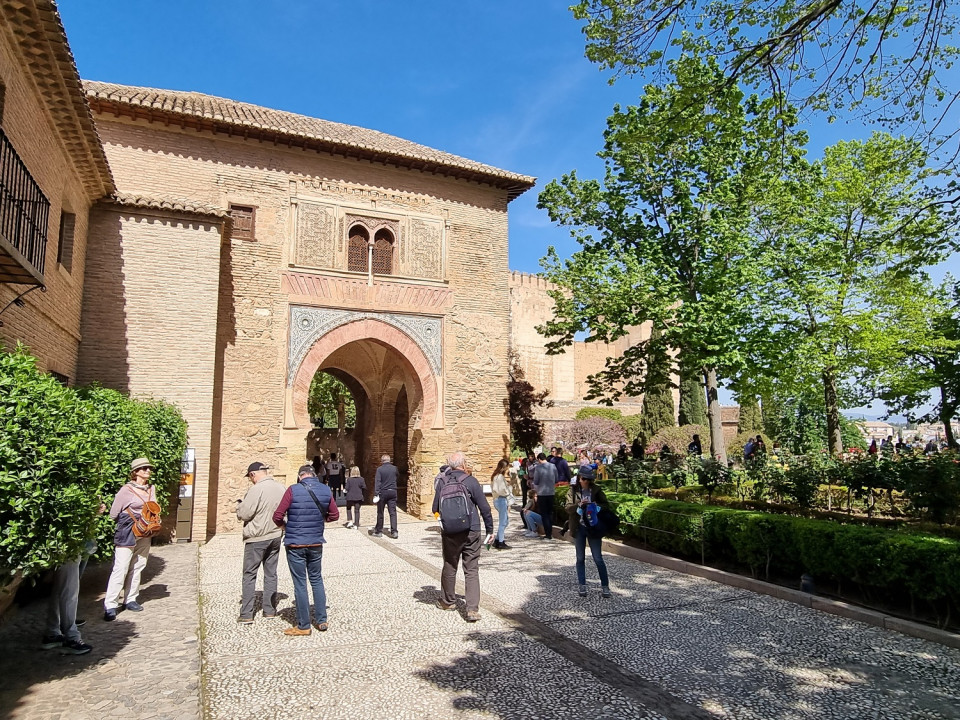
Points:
point(306, 470)
point(587, 472)
point(140, 462)
point(256, 466)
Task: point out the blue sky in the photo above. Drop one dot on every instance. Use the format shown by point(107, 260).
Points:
point(501, 82)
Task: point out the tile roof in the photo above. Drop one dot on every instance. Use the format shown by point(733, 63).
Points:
point(178, 205)
point(252, 120)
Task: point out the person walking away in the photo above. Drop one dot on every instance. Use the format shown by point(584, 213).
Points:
point(356, 487)
point(531, 518)
point(545, 483)
point(335, 474)
point(501, 493)
point(303, 512)
point(582, 495)
point(385, 495)
point(563, 467)
point(130, 556)
point(261, 541)
point(460, 503)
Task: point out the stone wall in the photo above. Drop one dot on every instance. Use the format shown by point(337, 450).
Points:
point(49, 323)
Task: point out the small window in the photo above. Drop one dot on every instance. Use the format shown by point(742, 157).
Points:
point(383, 253)
point(357, 249)
point(243, 217)
point(68, 222)
point(60, 378)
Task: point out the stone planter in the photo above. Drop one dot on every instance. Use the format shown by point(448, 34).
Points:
point(8, 591)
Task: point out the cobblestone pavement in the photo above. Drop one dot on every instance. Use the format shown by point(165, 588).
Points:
point(143, 665)
point(665, 645)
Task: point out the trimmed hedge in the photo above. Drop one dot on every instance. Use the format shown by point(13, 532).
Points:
point(880, 562)
point(64, 452)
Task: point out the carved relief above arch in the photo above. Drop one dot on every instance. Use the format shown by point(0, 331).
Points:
point(314, 342)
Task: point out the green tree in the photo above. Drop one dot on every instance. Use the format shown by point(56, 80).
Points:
point(926, 370)
point(838, 235)
point(693, 401)
point(664, 238)
point(751, 419)
point(658, 410)
point(879, 59)
point(330, 403)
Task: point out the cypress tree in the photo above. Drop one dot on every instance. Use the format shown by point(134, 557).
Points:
point(751, 420)
point(658, 410)
point(693, 399)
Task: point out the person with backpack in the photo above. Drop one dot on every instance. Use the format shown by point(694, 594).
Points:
point(132, 549)
point(459, 503)
point(303, 511)
point(501, 501)
point(385, 495)
point(334, 470)
point(585, 501)
point(356, 487)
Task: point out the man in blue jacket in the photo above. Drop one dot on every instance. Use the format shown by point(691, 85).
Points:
point(308, 505)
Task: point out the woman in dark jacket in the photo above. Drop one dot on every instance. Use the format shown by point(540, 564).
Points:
point(579, 496)
point(355, 489)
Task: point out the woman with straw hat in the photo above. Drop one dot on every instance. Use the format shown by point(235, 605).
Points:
point(130, 557)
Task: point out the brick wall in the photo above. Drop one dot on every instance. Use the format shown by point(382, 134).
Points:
point(150, 317)
point(50, 321)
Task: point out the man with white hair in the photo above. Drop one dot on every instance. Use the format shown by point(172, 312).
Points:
point(385, 495)
point(458, 499)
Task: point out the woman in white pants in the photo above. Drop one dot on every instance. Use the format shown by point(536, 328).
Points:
point(131, 553)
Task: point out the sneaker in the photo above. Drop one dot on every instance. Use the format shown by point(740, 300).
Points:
point(530, 534)
point(134, 606)
point(443, 606)
point(350, 524)
point(269, 617)
point(503, 546)
point(605, 592)
point(473, 616)
point(72, 647)
point(394, 534)
point(583, 591)
point(293, 631)
point(109, 615)
point(50, 642)
point(245, 620)
point(80, 622)
point(373, 533)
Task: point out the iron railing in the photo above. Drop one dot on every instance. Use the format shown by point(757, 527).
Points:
point(24, 209)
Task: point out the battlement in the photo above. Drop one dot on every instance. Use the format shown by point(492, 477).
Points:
point(522, 279)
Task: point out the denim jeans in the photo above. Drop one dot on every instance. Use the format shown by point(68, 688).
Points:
point(596, 545)
point(503, 509)
point(304, 562)
point(533, 520)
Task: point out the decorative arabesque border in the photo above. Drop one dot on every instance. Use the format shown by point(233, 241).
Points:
point(309, 324)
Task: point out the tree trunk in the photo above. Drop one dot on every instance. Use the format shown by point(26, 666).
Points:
point(946, 415)
point(834, 438)
point(718, 447)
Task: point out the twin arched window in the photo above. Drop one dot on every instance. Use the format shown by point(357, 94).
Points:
point(382, 250)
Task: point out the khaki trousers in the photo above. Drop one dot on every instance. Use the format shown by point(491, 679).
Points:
point(124, 581)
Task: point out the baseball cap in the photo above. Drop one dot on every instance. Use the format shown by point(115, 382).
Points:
point(306, 470)
point(256, 466)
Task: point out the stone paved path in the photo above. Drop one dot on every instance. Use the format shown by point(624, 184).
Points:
point(666, 645)
point(144, 665)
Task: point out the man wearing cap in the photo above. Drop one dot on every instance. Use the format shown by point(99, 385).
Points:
point(307, 506)
point(130, 555)
point(261, 540)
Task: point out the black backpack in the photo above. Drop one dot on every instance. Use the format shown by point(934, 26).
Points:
point(455, 511)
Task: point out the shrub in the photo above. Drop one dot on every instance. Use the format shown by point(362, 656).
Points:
point(632, 425)
point(604, 412)
point(62, 453)
point(677, 438)
point(593, 431)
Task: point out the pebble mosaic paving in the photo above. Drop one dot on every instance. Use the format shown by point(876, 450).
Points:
point(666, 645)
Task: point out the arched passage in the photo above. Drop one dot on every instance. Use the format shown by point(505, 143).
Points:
point(396, 391)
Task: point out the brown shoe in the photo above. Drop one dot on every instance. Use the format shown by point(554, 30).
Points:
point(473, 616)
point(296, 631)
point(443, 606)
point(322, 627)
